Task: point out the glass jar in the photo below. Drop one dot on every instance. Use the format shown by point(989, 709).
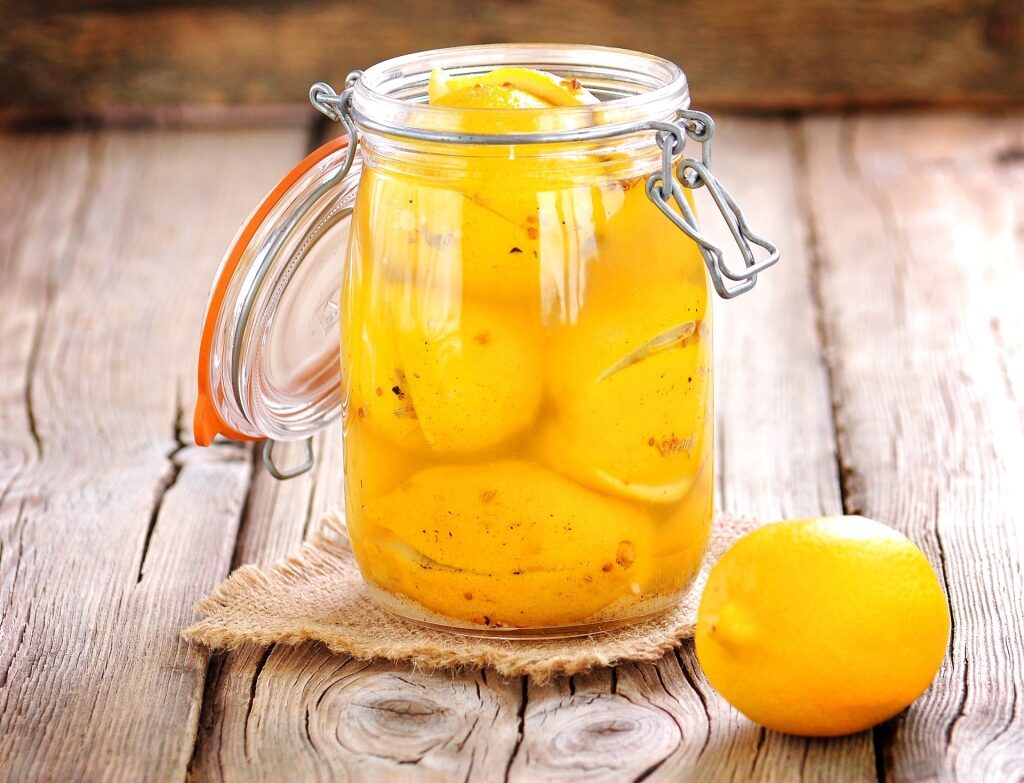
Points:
point(526, 362)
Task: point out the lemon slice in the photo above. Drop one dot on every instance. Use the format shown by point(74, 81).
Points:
point(506, 540)
point(629, 386)
point(548, 89)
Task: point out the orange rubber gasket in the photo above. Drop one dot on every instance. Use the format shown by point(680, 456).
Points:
point(207, 422)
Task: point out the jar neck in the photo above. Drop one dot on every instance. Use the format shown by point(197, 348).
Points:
point(618, 158)
point(390, 98)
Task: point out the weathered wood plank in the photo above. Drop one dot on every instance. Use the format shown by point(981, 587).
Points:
point(919, 269)
point(776, 444)
point(931, 432)
point(111, 525)
point(306, 714)
point(77, 57)
point(655, 721)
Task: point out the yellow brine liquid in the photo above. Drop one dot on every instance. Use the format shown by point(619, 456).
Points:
point(526, 348)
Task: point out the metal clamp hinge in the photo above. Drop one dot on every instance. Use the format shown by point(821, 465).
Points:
point(665, 187)
point(336, 106)
point(287, 473)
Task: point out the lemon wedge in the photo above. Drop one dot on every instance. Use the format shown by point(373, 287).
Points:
point(509, 88)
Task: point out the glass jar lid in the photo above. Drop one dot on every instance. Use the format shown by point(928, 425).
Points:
point(269, 357)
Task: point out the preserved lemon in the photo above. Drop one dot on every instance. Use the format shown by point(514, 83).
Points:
point(630, 382)
point(375, 464)
point(683, 535)
point(474, 376)
point(462, 236)
point(542, 89)
point(629, 233)
point(506, 541)
point(459, 380)
point(377, 389)
point(479, 96)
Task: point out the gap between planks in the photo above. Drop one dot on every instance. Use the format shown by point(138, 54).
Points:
point(918, 258)
point(98, 682)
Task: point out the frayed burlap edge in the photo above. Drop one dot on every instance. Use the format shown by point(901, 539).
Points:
point(318, 594)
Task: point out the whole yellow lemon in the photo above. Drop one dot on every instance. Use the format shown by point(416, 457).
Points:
point(822, 627)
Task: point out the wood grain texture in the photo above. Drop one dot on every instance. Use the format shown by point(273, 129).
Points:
point(918, 266)
point(775, 442)
point(74, 57)
point(890, 336)
point(111, 524)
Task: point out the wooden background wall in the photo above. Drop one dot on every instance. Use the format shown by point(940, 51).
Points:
point(75, 58)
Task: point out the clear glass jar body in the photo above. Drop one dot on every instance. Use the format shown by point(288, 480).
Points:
point(526, 349)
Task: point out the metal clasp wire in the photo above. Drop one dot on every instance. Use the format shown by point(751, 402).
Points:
point(334, 106)
point(287, 473)
point(668, 185)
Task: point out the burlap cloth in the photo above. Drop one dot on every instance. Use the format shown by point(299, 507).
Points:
point(316, 593)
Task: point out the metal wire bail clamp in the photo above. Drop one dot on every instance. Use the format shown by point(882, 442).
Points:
point(283, 474)
point(334, 106)
point(668, 183)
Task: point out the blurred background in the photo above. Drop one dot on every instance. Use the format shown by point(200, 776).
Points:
point(251, 59)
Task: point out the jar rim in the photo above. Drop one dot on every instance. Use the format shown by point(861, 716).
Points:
point(390, 97)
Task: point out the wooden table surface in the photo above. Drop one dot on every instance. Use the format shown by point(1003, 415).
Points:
point(878, 370)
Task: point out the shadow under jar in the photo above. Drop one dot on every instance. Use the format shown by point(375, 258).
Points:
point(526, 348)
